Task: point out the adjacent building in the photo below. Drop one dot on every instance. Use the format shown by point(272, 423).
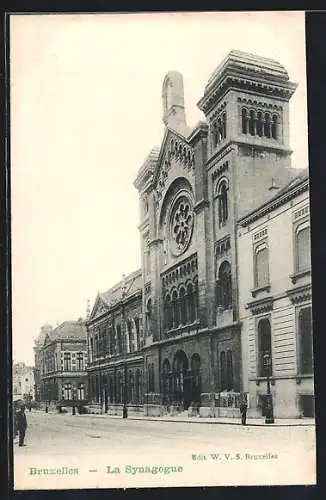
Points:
point(172, 335)
point(275, 301)
point(61, 358)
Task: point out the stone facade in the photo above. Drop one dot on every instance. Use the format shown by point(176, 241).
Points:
point(61, 359)
point(192, 192)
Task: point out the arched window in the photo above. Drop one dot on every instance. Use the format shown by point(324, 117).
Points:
point(252, 123)
point(261, 266)
point(119, 340)
point(138, 341)
point(244, 119)
point(191, 306)
point(168, 319)
point(306, 366)
point(175, 309)
point(222, 203)
point(267, 125)
point(182, 304)
point(259, 124)
point(130, 336)
point(223, 374)
point(302, 248)
point(224, 286)
point(149, 316)
point(274, 127)
point(224, 125)
point(264, 347)
point(229, 370)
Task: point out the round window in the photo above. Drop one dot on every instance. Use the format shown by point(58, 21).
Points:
point(181, 225)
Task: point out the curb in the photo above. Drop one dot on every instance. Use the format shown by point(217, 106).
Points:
point(209, 422)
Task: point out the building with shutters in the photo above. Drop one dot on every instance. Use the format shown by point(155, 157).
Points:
point(275, 301)
point(184, 304)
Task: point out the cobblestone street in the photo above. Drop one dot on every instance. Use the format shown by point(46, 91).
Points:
point(94, 443)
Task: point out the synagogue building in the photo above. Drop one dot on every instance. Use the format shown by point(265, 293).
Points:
point(225, 270)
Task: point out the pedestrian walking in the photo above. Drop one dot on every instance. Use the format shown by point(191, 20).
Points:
point(243, 408)
point(124, 411)
point(21, 425)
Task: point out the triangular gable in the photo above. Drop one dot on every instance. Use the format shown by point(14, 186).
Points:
point(173, 145)
point(174, 149)
point(99, 308)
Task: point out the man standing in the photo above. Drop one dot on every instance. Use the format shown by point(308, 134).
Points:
point(243, 408)
point(21, 425)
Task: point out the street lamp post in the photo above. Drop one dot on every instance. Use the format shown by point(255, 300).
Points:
point(269, 411)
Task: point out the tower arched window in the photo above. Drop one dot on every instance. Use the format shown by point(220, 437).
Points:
point(244, 120)
point(224, 125)
point(222, 203)
point(267, 125)
point(264, 347)
point(252, 122)
point(259, 124)
point(274, 127)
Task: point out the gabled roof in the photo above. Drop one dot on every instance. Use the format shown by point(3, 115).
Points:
point(68, 330)
point(299, 180)
point(123, 289)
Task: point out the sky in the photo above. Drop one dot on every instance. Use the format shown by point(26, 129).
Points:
point(86, 110)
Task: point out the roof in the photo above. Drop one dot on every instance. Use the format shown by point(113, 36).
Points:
point(239, 60)
point(123, 289)
point(299, 178)
point(69, 330)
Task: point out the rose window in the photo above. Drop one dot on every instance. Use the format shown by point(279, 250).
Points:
point(181, 225)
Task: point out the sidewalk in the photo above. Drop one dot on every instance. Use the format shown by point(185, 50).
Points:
point(257, 422)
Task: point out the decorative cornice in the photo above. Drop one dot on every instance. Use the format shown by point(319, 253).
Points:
point(239, 82)
point(261, 306)
point(299, 294)
point(260, 104)
point(296, 276)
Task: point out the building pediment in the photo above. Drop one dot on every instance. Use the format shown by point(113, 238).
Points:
point(99, 308)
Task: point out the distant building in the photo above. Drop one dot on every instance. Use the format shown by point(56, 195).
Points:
point(23, 381)
point(275, 301)
point(172, 333)
point(38, 347)
point(61, 363)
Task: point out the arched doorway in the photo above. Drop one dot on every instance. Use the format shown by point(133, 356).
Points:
point(195, 378)
point(181, 379)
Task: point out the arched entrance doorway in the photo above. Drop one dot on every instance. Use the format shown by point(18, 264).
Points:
point(195, 378)
point(181, 379)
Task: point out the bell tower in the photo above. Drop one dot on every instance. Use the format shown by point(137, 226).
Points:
point(246, 104)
